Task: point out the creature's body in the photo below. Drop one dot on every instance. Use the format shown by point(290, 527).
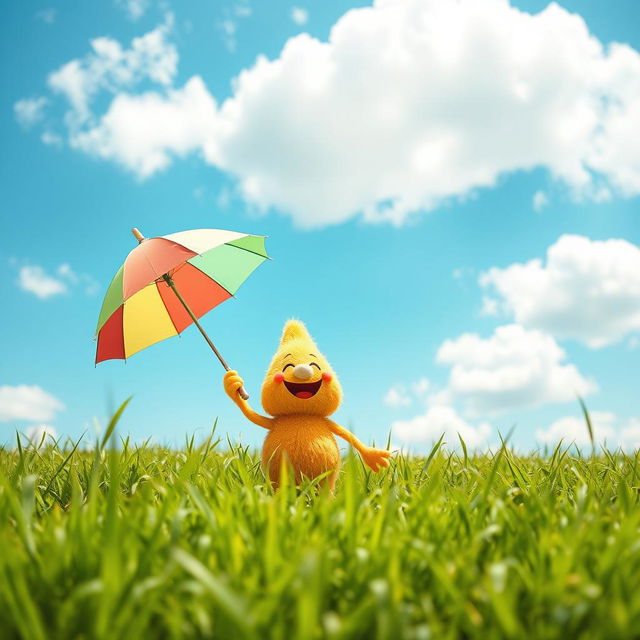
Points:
point(308, 443)
point(300, 391)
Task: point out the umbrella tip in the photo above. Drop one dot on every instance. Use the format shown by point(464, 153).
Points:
point(137, 234)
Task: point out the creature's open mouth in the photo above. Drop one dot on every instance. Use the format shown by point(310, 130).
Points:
point(303, 390)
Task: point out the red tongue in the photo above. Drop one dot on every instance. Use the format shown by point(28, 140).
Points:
point(304, 394)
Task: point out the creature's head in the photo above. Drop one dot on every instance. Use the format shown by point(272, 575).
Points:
point(300, 380)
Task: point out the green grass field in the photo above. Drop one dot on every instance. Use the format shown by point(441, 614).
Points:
point(147, 542)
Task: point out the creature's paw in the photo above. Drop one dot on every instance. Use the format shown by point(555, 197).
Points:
point(232, 382)
point(376, 458)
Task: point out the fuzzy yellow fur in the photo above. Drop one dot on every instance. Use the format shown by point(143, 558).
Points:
point(299, 428)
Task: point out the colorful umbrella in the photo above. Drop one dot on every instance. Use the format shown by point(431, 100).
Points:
point(167, 283)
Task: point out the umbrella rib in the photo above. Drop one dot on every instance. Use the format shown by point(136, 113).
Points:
point(235, 246)
point(195, 266)
point(166, 277)
point(173, 322)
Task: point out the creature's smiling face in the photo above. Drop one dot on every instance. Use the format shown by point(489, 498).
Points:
point(300, 380)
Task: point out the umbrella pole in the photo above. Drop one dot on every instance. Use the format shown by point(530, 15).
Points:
point(167, 278)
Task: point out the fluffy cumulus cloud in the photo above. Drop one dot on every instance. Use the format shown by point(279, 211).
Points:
point(438, 420)
point(413, 101)
point(144, 132)
point(587, 290)
point(574, 429)
point(34, 279)
point(407, 103)
point(27, 402)
point(112, 68)
point(37, 281)
point(608, 429)
point(515, 368)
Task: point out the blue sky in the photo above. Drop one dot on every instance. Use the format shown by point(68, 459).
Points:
point(391, 164)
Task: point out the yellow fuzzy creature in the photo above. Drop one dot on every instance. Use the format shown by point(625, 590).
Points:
point(300, 390)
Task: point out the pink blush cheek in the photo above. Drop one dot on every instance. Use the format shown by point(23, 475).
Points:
point(327, 377)
point(278, 377)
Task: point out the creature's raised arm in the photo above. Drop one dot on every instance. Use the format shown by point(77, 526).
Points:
point(374, 458)
point(232, 382)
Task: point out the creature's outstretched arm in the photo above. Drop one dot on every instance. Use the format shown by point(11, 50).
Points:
point(232, 382)
point(375, 458)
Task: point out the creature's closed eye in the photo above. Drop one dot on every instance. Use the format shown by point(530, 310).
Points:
point(287, 365)
point(313, 364)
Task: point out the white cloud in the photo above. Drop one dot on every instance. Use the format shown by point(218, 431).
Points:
point(36, 280)
point(397, 397)
point(52, 139)
point(299, 15)
point(134, 9)
point(110, 67)
point(401, 395)
point(608, 429)
point(515, 368)
point(540, 200)
point(490, 306)
point(421, 387)
point(574, 429)
point(29, 111)
point(408, 103)
point(616, 153)
point(83, 280)
point(67, 272)
point(630, 435)
point(587, 290)
point(437, 420)
point(41, 435)
point(143, 133)
point(27, 402)
point(411, 102)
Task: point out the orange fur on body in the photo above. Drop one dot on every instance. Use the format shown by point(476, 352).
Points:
point(300, 390)
point(308, 444)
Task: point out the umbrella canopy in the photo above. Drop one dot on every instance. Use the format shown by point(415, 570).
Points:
point(167, 282)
